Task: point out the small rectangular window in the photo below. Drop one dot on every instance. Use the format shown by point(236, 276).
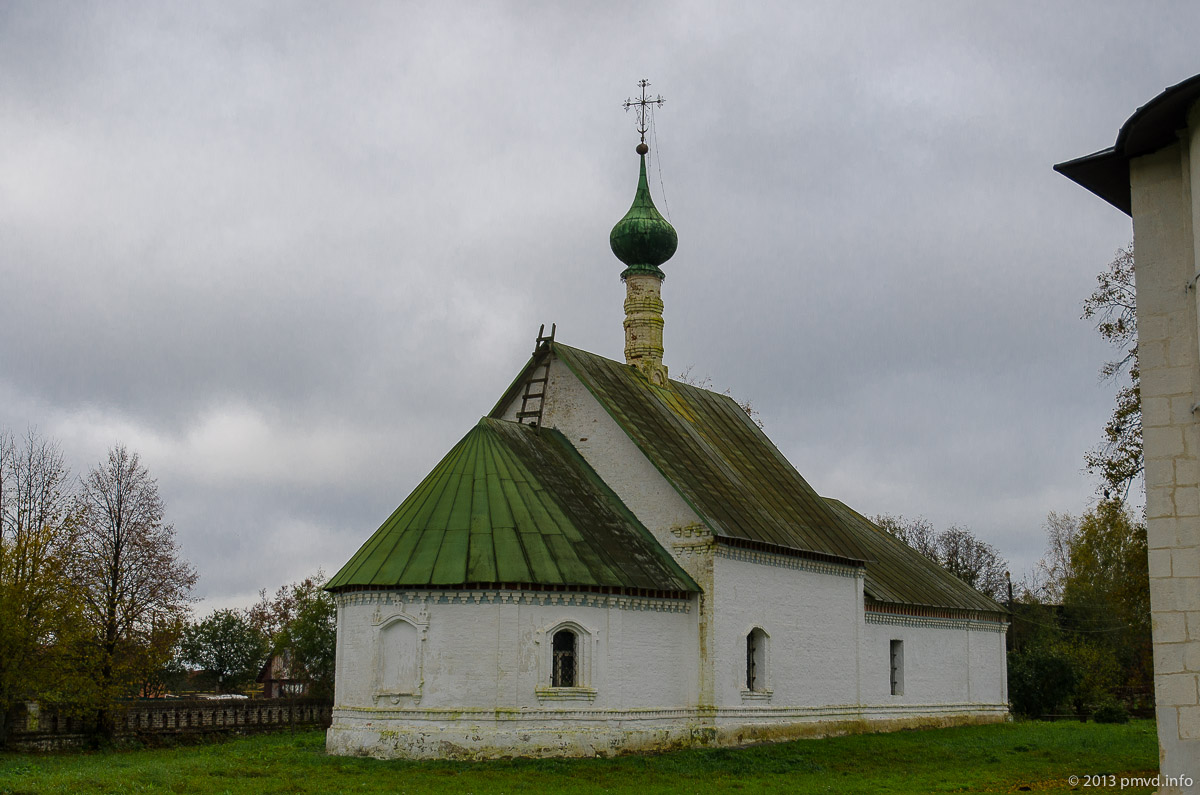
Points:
point(897, 660)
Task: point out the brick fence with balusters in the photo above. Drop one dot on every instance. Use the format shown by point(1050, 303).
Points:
point(163, 719)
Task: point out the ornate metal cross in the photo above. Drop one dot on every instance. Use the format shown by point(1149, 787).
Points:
point(641, 105)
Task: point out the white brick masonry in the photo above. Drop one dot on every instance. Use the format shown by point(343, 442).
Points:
point(1164, 208)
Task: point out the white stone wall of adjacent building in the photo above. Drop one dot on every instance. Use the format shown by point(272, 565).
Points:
point(462, 673)
point(1164, 206)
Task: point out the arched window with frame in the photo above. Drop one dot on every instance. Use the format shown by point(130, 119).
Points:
point(566, 658)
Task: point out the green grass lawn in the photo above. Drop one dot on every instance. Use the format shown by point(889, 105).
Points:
point(996, 758)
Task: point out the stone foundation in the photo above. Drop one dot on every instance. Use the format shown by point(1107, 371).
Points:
point(498, 734)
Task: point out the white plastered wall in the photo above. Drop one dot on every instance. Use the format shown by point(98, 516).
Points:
point(811, 613)
point(948, 665)
point(484, 674)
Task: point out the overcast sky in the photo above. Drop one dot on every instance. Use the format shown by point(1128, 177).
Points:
point(290, 253)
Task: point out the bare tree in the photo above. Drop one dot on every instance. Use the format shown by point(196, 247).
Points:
point(975, 562)
point(917, 533)
point(128, 565)
point(956, 549)
point(38, 604)
point(1054, 569)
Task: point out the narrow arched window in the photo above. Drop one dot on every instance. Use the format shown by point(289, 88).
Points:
point(563, 670)
point(756, 660)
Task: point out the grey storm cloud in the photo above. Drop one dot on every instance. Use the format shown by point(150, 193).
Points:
point(291, 252)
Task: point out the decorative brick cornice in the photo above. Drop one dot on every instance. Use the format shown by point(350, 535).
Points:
point(513, 597)
point(912, 616)
point(768, 558)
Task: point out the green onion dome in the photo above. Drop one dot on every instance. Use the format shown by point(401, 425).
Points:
point(643, 239)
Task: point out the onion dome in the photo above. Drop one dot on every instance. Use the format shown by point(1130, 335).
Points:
point(643, 239)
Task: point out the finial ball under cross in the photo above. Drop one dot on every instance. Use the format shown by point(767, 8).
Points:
point(641, 106)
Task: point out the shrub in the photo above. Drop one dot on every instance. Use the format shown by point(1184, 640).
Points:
point(1040, 679)
point(1111, 711)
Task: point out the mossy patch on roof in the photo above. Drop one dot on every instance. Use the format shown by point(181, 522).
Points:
point(722, 464)
point(513, 504)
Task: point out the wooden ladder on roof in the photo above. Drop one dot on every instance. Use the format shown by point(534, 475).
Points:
point(535, 387)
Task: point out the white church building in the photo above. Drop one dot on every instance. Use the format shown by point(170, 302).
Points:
point(615, 561)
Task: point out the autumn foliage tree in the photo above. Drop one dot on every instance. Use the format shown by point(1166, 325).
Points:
point(134, 584)
point(41, 654)
point(1088, 607)
point(1106, 595)
point(1113, 307)
point(301, 621)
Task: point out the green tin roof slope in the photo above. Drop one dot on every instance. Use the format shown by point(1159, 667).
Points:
point(899, 574)
point(739, 483)
point(721, 463)
point(513, 505)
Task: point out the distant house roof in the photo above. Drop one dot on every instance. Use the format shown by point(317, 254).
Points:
point(1152, 127)
point(515, 506)
point(744, 489)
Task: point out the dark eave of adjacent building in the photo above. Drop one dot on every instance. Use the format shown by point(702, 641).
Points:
point(1152, 127)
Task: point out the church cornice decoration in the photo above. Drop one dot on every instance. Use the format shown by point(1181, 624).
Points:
point(934, 618)
point(500, 596)
point(770, 557)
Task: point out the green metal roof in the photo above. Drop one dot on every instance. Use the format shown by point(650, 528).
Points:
point(513, 505)
point(722, 464)
point(898, 574)
point(742, 487)
point(643, 239)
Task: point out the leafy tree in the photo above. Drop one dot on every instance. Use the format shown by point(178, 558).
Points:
point(227, 647)
point(1107, 594)
point(955, 549)
point(40, 651)
point(302, 622)
point(161, 668)
point(1041, 679)
point(312, 637)
point(128, 568)
point(1118, 460)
